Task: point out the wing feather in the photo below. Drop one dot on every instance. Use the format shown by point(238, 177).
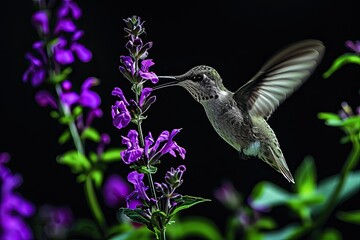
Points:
point(280, 77)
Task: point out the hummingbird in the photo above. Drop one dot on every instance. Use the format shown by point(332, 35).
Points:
point(240, 117)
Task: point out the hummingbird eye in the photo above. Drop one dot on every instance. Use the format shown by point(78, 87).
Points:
point(198, 77)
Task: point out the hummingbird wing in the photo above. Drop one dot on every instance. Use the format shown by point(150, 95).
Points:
point(279, 77)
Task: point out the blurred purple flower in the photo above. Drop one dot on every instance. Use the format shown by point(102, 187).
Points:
point(36, 73)
point(65, 25)
point(86, 98)
point(119, 112)
point(133, 151)
point(355, 46)
point(13, 207)
point(115, 191)
point(140, 189)
point(44, 98)
point(64, 49)
point(57, 221)
point(69, 8)
point(228, 196)
point(40, 20)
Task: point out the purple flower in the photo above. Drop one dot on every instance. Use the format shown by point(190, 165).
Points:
point(64, 49)
point(69, 8)
point(145, 93)
point(115, 191)
point(57, 221)
point(129, 64)
point(355, 46)
point(169, 147)
point(119, 112)
point(44, 98)
point(86, 98)
point(13, 207)
point(228, 196)
point(144, 71)
point(140, 189)
point(40, 20)
point(36, 72)
point(65, 25)
point(133, 151)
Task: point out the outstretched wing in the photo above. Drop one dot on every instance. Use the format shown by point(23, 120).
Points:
point(280, 77)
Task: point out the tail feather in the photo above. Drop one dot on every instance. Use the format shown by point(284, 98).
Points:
point(276, 160)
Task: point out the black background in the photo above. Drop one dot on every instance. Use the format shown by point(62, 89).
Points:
point(234, 37)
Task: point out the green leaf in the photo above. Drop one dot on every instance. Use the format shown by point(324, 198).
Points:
point(187, 201)
point(85, 228)
point(350, 217)
point(351, 187)
point(111, 155)
point(140, 233)
point(330, 234)
point(145, 169)
point(265, 223)
point(54, 114)
point(75, 160)
point(77, 111)
point(66, 119)
point(328, 116)
point(341, 61)
point(91, 134)
point(64, 137)
point(192, 227)
point(305, 177)
point(97, 176)
point(266, 194)
point(135, 215)
point(283, 233)
point(58, 78)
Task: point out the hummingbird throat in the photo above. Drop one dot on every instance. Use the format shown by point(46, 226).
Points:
point(253, 149)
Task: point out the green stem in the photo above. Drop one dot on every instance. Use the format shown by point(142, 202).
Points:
point(231, 228)
point(331, 203)
point(94, 204)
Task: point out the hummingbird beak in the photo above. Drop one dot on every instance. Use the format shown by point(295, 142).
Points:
point(168, 84)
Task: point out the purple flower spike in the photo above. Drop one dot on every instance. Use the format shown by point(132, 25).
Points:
point(133, 151)
point(355, 46)
point(115, 191)
point(144, 71)
point(13, 207)
point(41, 21)
point(140, 189)
point(44, 98)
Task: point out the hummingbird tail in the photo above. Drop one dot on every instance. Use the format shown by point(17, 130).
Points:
point(275, 159)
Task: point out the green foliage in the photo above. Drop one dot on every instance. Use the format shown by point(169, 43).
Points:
point(340, 62)
point(77, 161)
point(111, 155)
point(91, 133)
point(350, 217)
point(194, 227)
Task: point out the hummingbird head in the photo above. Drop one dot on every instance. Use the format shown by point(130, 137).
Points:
point(202, 82)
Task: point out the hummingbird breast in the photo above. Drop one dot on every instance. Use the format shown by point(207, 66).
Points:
point(230, 122)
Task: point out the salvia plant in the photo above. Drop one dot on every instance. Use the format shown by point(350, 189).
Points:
point(148, 205)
